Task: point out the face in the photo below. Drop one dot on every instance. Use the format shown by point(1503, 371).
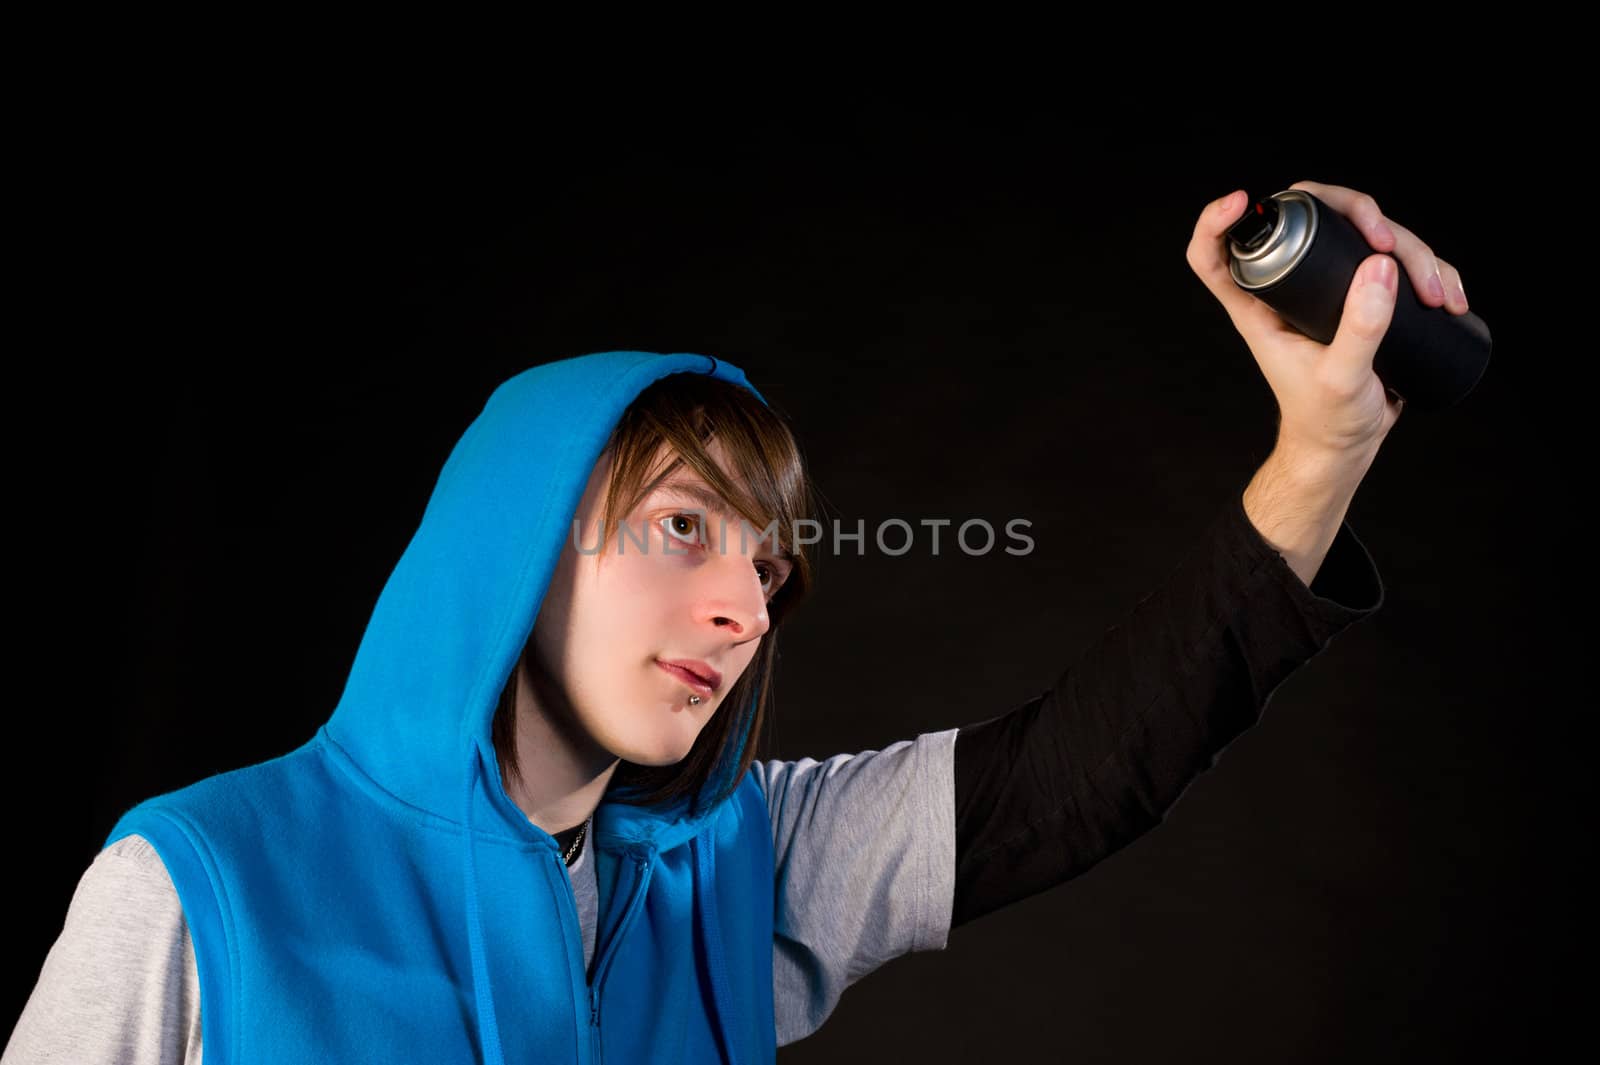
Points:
point(662, 590)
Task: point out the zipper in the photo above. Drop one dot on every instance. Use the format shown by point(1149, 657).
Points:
point(643, 868)
point(569, 910)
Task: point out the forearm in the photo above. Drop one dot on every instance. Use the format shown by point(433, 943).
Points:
point(1053, 787)
point(1297, 502)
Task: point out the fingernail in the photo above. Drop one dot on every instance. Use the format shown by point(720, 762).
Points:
point(1436, 288)
point(1381, 272)
point(1462, 289)
point(1385, 232)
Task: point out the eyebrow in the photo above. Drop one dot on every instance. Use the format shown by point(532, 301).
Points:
point(714, 503)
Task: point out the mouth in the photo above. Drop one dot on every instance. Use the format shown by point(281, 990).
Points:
point(697, 675)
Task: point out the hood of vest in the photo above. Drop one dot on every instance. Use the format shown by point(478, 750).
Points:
point(460, 604)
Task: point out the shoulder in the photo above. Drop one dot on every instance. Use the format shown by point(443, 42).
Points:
point(124, 923)
point(129, 875)
point(927, 757)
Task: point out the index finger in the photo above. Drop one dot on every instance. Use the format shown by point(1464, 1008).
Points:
point(1208, 258)
point(1359, 207)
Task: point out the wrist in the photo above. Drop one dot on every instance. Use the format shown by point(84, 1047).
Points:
point(1298, 498)
point(1317, 466)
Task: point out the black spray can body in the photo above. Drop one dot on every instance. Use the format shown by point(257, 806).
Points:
point(1299, 256)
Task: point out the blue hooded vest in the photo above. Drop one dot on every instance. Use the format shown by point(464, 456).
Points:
point(375, 895)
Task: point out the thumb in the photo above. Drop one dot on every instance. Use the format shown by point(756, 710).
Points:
point(1368, 310)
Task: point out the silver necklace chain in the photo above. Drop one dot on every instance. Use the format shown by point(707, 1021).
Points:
point(576, 843)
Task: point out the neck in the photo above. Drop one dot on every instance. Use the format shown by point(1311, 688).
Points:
point(561, 772)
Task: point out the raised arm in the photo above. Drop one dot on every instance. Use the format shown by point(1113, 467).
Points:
point(1053, 787)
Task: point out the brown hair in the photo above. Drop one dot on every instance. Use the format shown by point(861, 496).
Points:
point(769, 482)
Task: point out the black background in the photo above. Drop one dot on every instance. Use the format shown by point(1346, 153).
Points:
point(266, 323)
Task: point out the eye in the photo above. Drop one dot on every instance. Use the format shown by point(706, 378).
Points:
point(772, 577)
point(670, 523)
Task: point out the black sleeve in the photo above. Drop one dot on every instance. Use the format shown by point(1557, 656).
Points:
point(1086, 767)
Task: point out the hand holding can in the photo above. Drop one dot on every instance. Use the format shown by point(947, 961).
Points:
point(1299, 256)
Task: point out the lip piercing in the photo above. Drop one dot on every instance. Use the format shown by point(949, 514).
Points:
point(694, 700)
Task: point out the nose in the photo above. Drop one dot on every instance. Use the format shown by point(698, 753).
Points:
point(731, 597)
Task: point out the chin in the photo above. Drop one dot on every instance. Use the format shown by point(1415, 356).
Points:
point(667, 750)
point(661, 736)
point(658, 762)
point(664, 753)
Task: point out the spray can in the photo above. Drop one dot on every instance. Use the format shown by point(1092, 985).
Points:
point(1299, 256)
